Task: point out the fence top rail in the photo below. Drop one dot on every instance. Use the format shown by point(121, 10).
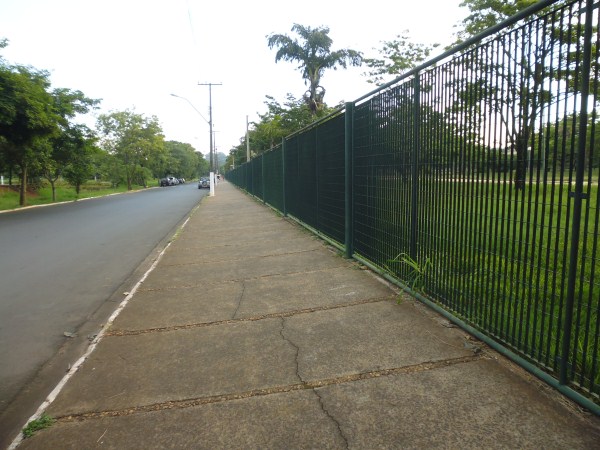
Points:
point(458, 48)
point(542, 4)
point(336, 112)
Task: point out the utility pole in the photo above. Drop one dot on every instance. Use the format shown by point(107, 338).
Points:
point(210, 123)
point(247, 141)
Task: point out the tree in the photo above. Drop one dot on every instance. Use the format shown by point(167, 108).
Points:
point(133, 140)
point(183, 160)
point(314, 55)
point(278, 122)
point(66, 146)
point(517, 81)
point(399, 56)
point(82, 150)
point(487, 13)
point(27, 118)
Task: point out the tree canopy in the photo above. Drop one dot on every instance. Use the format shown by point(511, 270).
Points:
point(314, 55)
point(397, 57)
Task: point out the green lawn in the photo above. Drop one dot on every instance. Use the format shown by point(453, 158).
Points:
point(9, 197)
point(496, 257)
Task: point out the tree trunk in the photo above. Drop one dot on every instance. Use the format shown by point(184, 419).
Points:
point(23, 188)
point(521, 169)
point(53, 190)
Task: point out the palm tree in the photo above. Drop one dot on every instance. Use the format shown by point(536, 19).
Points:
point(314, 55)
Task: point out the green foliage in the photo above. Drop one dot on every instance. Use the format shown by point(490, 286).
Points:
point(484, 14)
point(398, 57)
point(27, 118)
point(314, 55)
point(278, 122)
point(414, 272)
point(80, 165)
point(134, 140)
point(182, 161)
point(44, 421)
point(35, 122)
point(64, 192)
point(521, 85)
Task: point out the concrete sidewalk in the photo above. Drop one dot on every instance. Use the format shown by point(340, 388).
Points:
point(251, 333)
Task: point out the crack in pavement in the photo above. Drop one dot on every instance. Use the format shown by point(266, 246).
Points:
point(296, 348)
point(312, 385)
point(321, 401)
point(239, 300)
point(118, 333)
point(333, 419)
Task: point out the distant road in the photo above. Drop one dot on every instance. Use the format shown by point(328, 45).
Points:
point(62, 267)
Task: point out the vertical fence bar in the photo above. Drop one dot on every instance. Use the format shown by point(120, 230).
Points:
point(262, 178)
point(317, 220)
point(578, 195)
point(415, 167)
point(283, 178)
point(348, 169)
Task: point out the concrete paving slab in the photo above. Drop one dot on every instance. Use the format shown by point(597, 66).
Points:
point(240, 215)
point(162, 308)
point(369, 337)
point(129, 371)
point(225, 234)
point(318, 289)
point(276, 244)
point(470, 405)
point(293, 420)
point(296, 349)
point(245, 268)
point(180, 306)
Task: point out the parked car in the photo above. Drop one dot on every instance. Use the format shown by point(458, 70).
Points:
point(203, 182)
point(169, 181)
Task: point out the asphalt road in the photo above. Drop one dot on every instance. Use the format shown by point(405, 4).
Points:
point(62, 269)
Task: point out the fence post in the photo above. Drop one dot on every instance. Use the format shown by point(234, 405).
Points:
point(317, 222)
point(348, 179)
point(262, 176)
point(415, 167)
point(578, 195)
point(283, 176)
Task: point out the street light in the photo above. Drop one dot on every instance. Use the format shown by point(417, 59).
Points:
point(192, 105)
point(204, 118)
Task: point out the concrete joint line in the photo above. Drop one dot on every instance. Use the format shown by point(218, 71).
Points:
point(312, 385)
point(271, 255)
point(117, 333)
point(237, 280)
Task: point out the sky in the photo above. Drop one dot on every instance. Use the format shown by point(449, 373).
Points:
point(133, 54)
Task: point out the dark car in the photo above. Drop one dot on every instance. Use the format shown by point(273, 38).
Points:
point(203, 182)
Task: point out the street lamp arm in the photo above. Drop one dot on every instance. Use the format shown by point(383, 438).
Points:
point(192, 105)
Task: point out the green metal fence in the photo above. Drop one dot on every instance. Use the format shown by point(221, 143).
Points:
point(472, 181)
